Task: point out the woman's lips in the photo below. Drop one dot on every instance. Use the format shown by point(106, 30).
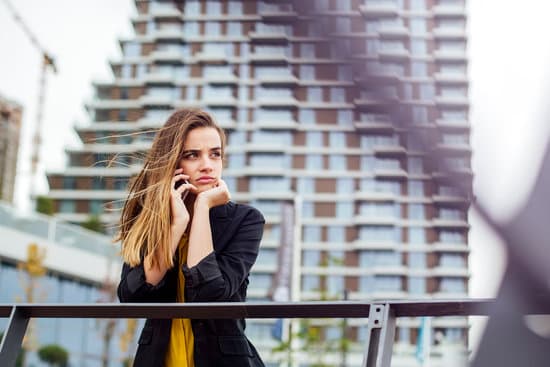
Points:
point(206, 180)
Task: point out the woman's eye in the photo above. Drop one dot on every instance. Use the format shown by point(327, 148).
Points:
point(190, 155)
point(216, 154)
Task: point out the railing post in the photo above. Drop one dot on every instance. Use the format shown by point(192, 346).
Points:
point(13, 337)
point(380, 334)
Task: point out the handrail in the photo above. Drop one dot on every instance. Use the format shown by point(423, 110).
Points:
point(380, 329)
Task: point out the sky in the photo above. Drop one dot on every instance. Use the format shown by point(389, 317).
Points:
point(508, 52)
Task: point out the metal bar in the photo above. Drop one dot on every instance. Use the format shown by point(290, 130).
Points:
point(380, 335)
point(13, 337)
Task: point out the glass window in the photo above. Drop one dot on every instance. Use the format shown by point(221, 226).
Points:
point(260, 281)
point(269, 184)
point(337, 94)
point(271, 160)
point(312, 233)
point(337, 162)
point(379, 233)
point(212, 28)
point(314, 139)
point(345, 73)
point(419, 47)
point(213, 7)
point(191, 28)
point(311, 257)
point(415, 188)
point(307, 50)
point(370, 258)
point(417, 235)
point(217, 92)
point(452, 260)
point(417, 285)
point(314, 161)
point(427, 91)
point(192, 7)
point(345, 118)
point(272, 137)
point(344, 209)
point(267, 256)
point(416, 211)
point(418, 25)
point(307, 72)
point(418, 4)
point(314, 94)
point(415, 165)
point(270, 207)
point(336, 233)
point(417, 259)
point(236, 160)
point(235, 7)
point(271, 72)
point(308, 209)
point(306, 185)
point(451, 237)
point(307, 116)
point(191, 92)
point(452, 285)
point(132, 49)
point(69, 183)
point(235, 29)
point(345, 185)
point(310, 283)
point(450, 214)
point(419, 68)
point(96, 206)
point(273, 115)
point(272, 92)
point(67, 206)
point(126, 71)
point(335, 285)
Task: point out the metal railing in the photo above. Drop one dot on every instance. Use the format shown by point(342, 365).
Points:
point(381, 316)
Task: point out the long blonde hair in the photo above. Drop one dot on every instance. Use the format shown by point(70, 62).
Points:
point(145, 223)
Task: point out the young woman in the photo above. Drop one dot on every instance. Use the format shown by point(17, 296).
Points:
point(183, 240)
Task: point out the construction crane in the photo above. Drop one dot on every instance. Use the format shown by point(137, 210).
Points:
point(48, 63)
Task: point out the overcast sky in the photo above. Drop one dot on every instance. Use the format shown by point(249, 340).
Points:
point(509, 56)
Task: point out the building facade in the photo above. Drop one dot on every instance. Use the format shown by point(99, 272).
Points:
point(10, 130)
point(297, 86)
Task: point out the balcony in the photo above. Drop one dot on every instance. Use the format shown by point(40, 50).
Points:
point(449, 11)
point(379, 10)
point(453, 101)
point(268, 59)
point(450, 223)
point(270, 38)
point(279, 16)
point(393, 32)
point(374, 127)
point(450, 55)
point(449, 33)
point(390, 173)
point(212, 58)
point(281, 81)
point(389, 151)
point(451, 78)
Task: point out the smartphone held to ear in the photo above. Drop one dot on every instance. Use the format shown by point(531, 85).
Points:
point(178, 184)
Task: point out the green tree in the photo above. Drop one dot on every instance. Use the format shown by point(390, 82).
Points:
point(93, 224)
point(44, 205)
point(54, 355)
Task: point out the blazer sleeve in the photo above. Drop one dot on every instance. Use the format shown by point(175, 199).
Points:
point(220, 275)
point(134, 288)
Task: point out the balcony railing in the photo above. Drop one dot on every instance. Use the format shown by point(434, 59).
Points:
point(381, 316)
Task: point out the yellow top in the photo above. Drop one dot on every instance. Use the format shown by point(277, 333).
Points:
point(180, 349)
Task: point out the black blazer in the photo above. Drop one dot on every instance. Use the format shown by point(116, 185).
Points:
point(222, 276)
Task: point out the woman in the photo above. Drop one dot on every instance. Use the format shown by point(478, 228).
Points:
point(183, 240)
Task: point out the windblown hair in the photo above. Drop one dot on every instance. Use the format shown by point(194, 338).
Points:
point(145, 223)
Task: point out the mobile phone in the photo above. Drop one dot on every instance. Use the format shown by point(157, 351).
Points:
point(178, 184)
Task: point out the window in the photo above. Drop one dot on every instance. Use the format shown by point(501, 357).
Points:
point(452, 285)
point(419, 47)
point(269, 160)
point(344, 185)
point(311, 257)
point(417, 285)
point(269, 184)
point(272, 137)
point(416, 211)
point(67, 206)
point(378, 209)
point(272, 92)
point(260, 281)
point(415, 188)
point(452, 260)
point(191, 28)
point(96, 207)
point(305, 185)
point(336, 234)
point(417, 235)
point(314, 94)
point(307, 50)
point(308, 209)
point(269, 207)
point(307, 72)
point(273, 115)
point(314, 139)
point(235, 8)
point(337, 94)
point(212, 28)
point(312, 233)
point(267, 256)
point(271, 71)
point(415, 165)
point(236, 160)
point(132, 49)
point(379, 233)
point(371, 258)
point(451, 237)
point(345, 117)
point(417, 259)
point(337, 162)
point(314, 162)
point(450, 214)
point(418, 4)
point(69, 183)
point(345, 73)
point(419, 69)
point(418, 26)
point(344, 209)
point(310, 283)
point(307, 116)
point(427, 92)
point(213, 7)
point(335, 285)
point(217, 92)
point(235, 29)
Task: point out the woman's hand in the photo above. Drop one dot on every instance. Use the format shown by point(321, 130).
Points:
point(180, 214)
point(218, 195)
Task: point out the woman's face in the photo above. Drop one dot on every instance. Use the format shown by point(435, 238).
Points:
point(202, 157)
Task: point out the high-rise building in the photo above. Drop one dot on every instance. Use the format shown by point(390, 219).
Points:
point(377, 219)
point(10, 129)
